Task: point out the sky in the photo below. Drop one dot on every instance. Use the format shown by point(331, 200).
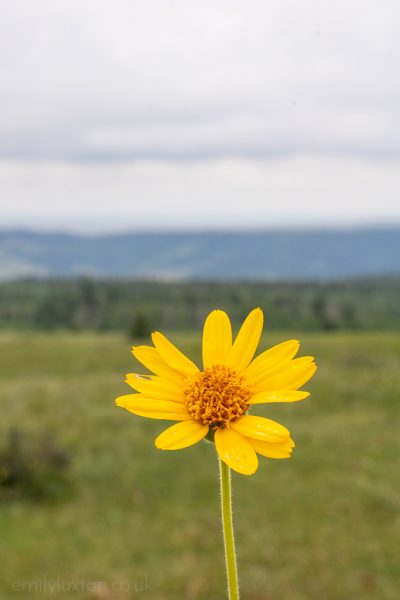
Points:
point(121, 114)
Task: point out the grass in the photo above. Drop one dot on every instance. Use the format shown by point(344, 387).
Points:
point(324, 525)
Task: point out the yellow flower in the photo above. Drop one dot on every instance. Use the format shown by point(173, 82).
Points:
point(215, 402)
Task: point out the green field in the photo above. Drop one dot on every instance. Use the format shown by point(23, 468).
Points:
point(324, 525)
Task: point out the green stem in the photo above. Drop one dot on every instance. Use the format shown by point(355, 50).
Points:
point(227, 526)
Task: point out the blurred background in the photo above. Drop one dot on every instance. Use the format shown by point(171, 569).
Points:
point(159, 160)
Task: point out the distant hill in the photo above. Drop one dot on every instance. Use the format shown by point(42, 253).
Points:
point(270, 255)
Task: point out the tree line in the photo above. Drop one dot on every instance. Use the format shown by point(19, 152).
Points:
point(138, 307)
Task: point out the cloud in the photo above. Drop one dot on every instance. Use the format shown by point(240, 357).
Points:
point(116, 80)
point(229, 193)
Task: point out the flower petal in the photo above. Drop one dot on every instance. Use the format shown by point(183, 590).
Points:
point(260, 428)
point(279, 396)
point(172, 356)
point(155, 387)
point(236, 451)
point(153, 409)
point(217, 338)
point(283, 352)
point(246, 341)
point(298, 372)
point(151, 359)
point(280, 450)
point(181, 435)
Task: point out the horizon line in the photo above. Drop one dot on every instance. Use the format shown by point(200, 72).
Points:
point(304, 228)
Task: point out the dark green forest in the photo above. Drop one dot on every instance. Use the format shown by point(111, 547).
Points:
point(138, 307)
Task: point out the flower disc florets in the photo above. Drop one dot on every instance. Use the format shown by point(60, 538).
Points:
point(217, 396)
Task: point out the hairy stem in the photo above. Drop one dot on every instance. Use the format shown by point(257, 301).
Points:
point(227, 526)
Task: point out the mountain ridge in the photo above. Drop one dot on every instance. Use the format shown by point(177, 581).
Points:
point(319, 254)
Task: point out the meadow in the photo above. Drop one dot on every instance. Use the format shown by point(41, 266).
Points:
point(129, 521)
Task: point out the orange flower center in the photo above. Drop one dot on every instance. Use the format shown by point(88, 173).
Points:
point(217, 396)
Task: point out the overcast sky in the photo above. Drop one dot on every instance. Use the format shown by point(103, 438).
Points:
point(125, 114)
